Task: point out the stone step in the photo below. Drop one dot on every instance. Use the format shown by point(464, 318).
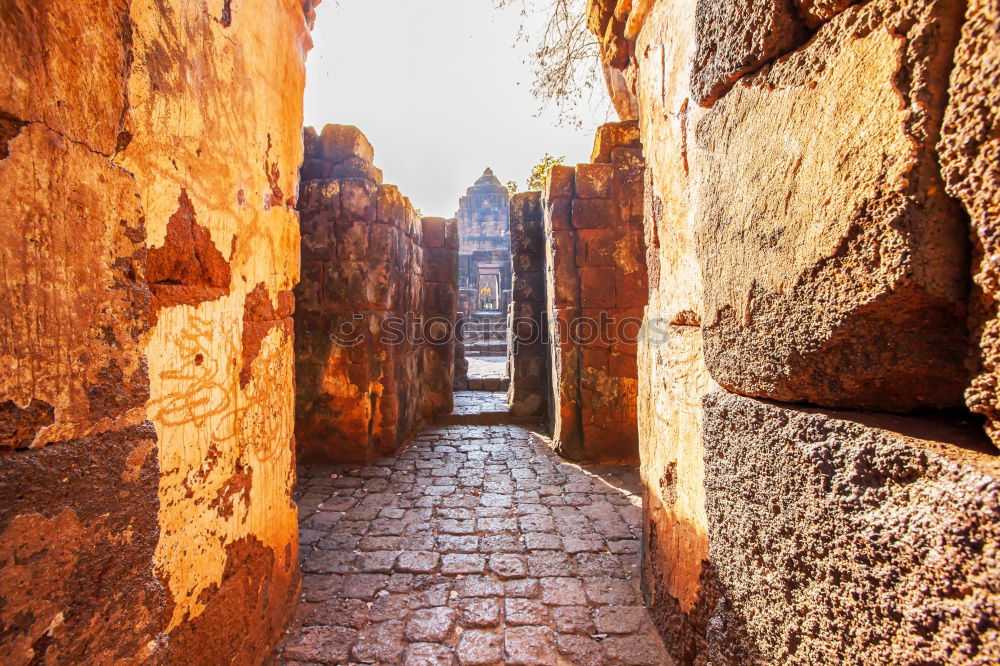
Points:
point(486, 350)
point(482, 408)
point(489, 384)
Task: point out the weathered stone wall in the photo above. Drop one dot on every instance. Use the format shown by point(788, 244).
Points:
point(149, 246)
point(528, 354)
point(970, 159)
point(677, 576)
point(801, 247)
point(859, 302)
point(440, 237)
point(360, 358)
point(596, 288)
point(884, 547)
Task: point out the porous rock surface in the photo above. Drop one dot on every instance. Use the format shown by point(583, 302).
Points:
point(970, 161)
point(801, 245)
point(841, 280)
point(884, 548)
point(735, 37)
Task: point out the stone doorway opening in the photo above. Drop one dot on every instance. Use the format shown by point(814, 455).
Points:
point(485, 281)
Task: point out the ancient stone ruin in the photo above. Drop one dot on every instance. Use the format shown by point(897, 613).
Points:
point(484, 274)
point(595, 293)
point(807, 225)
point(368, 372)
point(150, 251)
point(752, 348)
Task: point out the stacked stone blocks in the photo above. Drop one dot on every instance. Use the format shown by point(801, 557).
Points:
point(440, 238)
point(802, 248)
point(527, 393)
point(364, 385)
point(596, 288)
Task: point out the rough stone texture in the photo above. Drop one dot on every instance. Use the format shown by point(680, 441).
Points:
point(440, 237)
point(816, 12)
point(61, 563)
point(482, 565)
point(340, 143)
point(461, 382)
point(147, 440)
point(677, 580)
point(595, 291)
point(622, 98)
point(970, 160)
point(220, 371)
point(527, 394)
point(794, 106)
point(885, 550)
point(616, 26)
point(735, 37)
point(366, 379)
point(613, 135)
point(851, 290)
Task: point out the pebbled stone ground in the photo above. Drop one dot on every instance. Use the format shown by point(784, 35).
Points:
point(476, 545)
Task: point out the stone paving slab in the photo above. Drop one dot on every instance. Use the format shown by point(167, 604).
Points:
point(476, 545)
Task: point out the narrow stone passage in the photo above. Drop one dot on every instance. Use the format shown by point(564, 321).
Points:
point(475, 545)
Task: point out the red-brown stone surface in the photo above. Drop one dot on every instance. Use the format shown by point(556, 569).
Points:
point(970, 160)
point(735, 37)
point(852, 290)
point(596, 289)
point(146, 494)
point(366, 379)
point(187, 269)
point(527, 394)
point(440, 273)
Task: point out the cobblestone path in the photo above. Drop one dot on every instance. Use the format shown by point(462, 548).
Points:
point(475, 545)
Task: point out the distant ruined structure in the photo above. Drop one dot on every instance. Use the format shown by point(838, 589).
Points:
point(484, 245)
point(484, 264)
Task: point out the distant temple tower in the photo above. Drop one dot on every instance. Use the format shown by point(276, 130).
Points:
point(484, 274)
point(484, 245)
point(484, 216)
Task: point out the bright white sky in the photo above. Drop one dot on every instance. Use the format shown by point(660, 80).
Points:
point(440, 90)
